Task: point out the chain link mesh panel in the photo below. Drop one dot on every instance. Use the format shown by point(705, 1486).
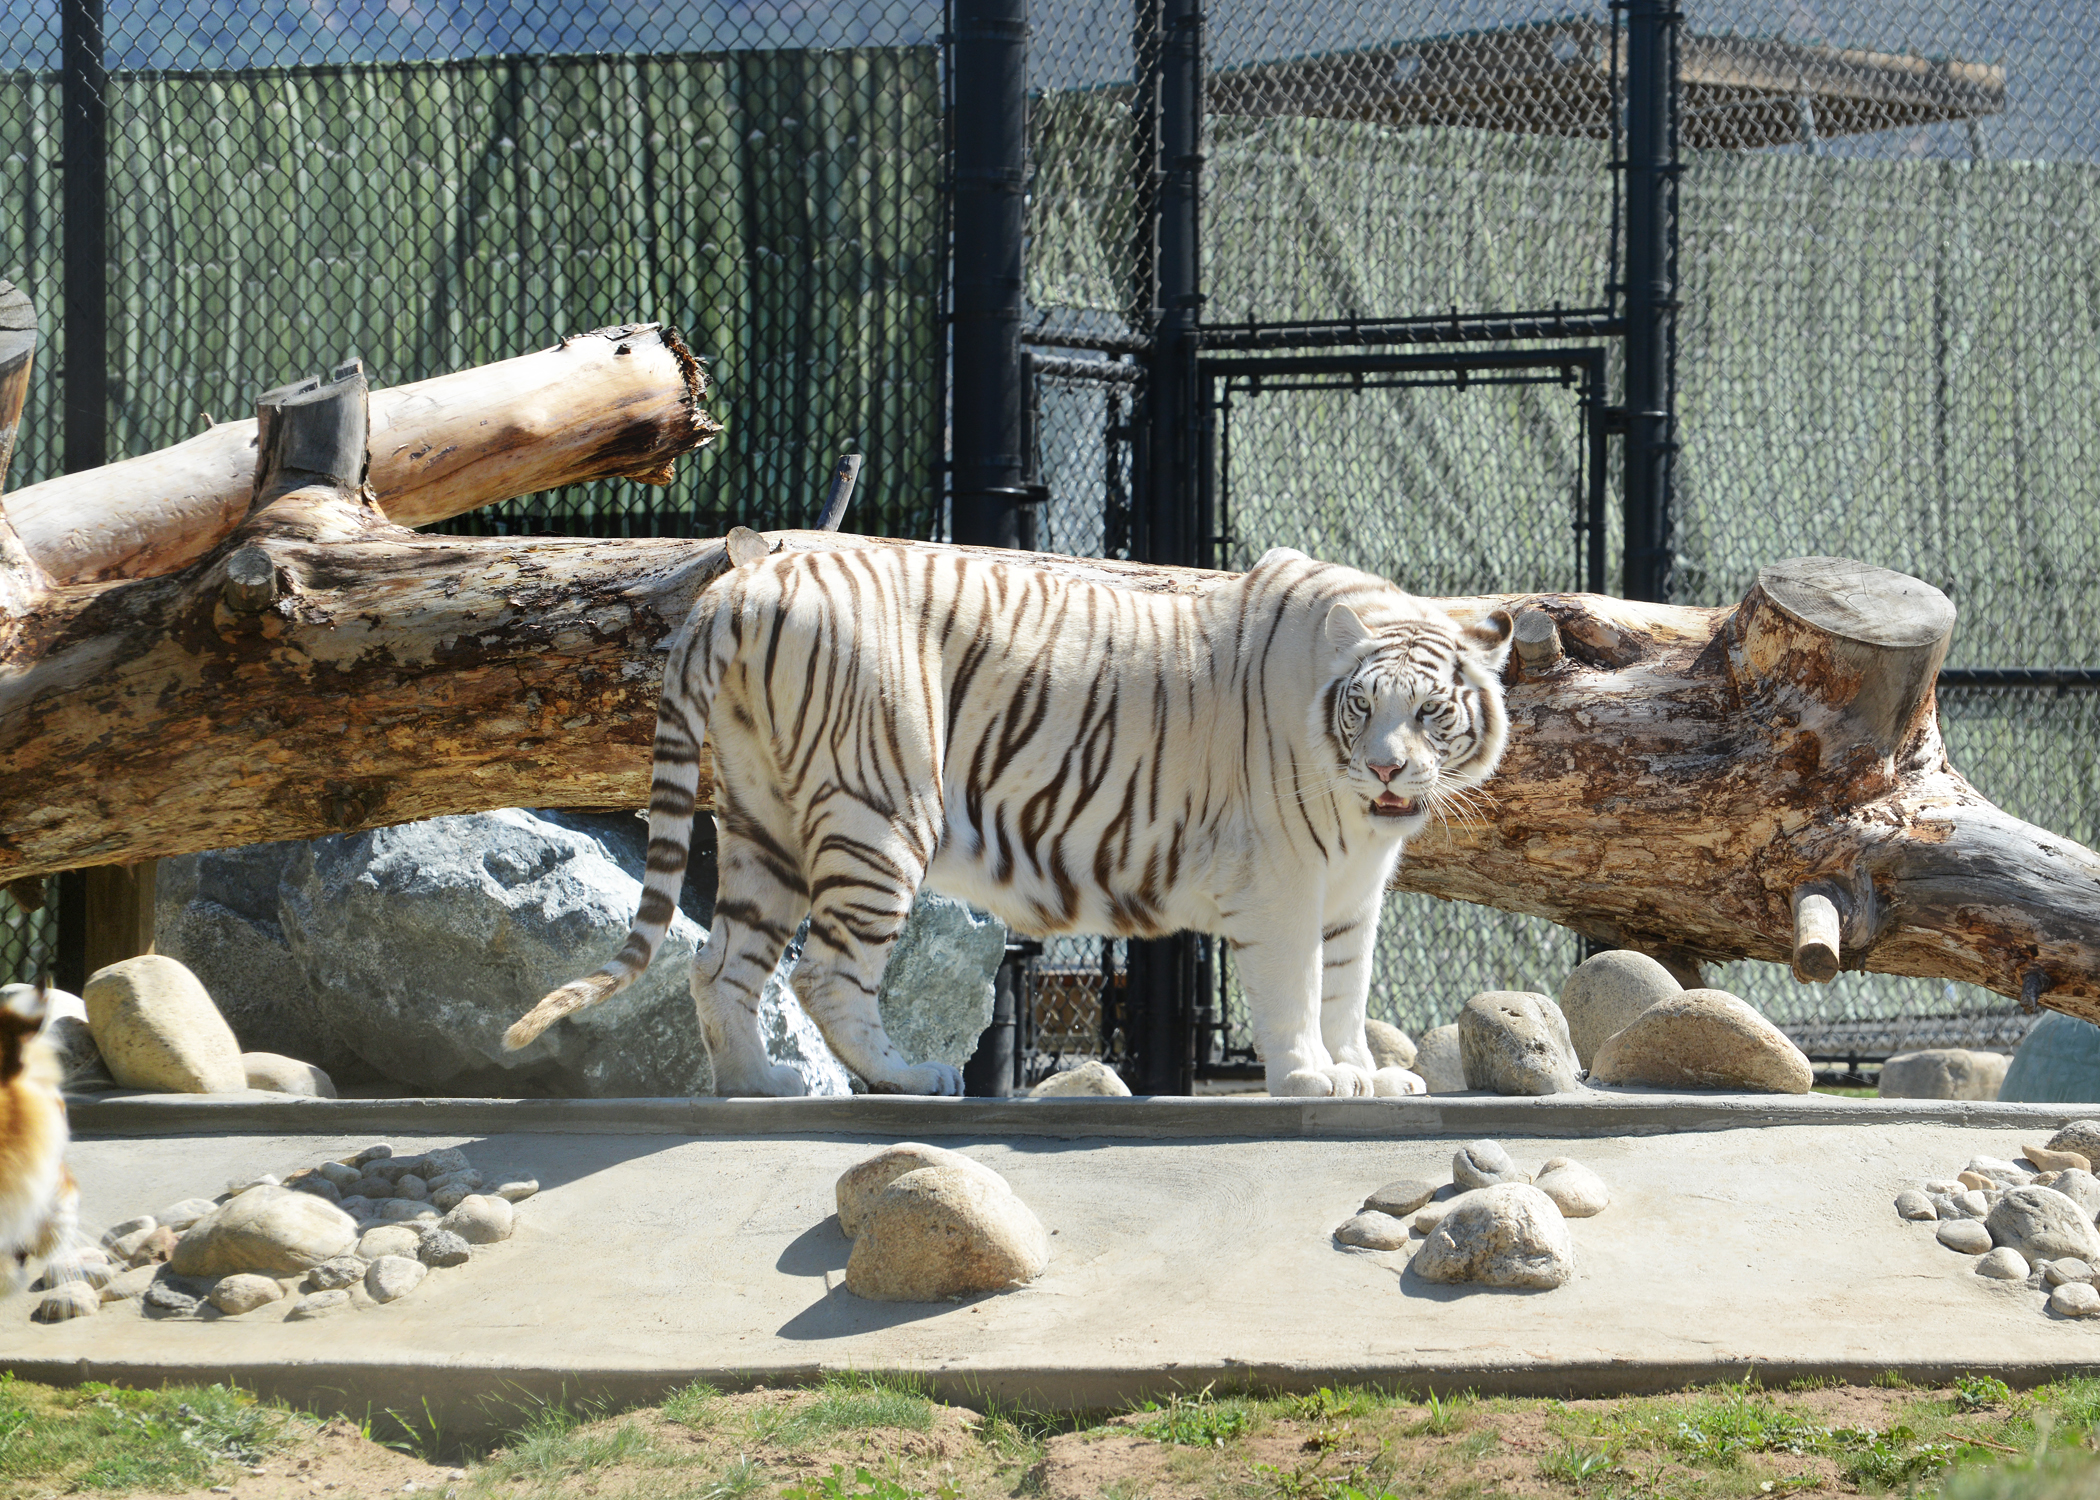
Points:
point(434, 189)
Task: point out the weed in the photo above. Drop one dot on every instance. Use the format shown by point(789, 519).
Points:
point(102, 1438)
point(1479, 1443)
point(2076, 1402)
point(1327, 1403)
point(1980, 1393)
point(693, 1406)
point(1890, 1458)
point(2058, 1475)
point(1441, 1418)
point(550, 1446)
point(421, 1434)
point(863, 1486)
point(848, 1403)
point(1197, 1421)
point(1892, 1380)
point(1577, 1465)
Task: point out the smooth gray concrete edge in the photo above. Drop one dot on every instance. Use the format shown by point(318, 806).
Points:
point(481, 1403)
point(1599, 1112)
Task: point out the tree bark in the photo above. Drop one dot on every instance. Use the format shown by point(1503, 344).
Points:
point(619, 401)
point(1762, 781)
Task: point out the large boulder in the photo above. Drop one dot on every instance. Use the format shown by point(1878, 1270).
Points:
point(940, 1232)
point(1606, 992)
point(2058, 1063)
point(271, 1230)
point(2043, 1225)
point(859, 1185)
point(1514, 1042)
point(404, 953)
point(1703, 1039)
point(156, 1028)
point(1943, 1073)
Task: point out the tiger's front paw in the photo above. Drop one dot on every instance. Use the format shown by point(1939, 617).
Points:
point(1335, 1081)
point(937, 1079)
point(1393, 1083)
point(772, 1081)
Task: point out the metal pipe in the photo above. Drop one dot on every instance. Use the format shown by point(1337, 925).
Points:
point(989, 50)
point(84, 159)
point(1455, 328)
point(1651, 292)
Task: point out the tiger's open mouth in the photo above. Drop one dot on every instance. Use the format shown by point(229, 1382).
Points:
point(1392, 805)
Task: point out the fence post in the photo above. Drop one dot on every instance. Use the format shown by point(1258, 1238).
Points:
point(1651, 293)
point(989, 48)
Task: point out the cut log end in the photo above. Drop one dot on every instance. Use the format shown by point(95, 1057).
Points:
point(1817, 925)
point(1537, 640)
point(745, 546)
point(251, 581)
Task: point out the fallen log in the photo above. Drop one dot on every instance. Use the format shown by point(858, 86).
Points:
point(621, 401)
point(1766, 780)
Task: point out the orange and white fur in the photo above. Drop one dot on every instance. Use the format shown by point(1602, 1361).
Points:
point(39, 1203)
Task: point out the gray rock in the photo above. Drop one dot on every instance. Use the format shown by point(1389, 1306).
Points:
point(412, 1187)
point(336, 1272)
point(445, 1160)
point(1438, 1061)
point(518, 1192)
point(858, 1186)
point(130, 1285)
point(1508, 1235)
point(2070, 1268)
point(378, 1152)
point(1479, 1164)
point(2075, 1299)
point(2058, 1063)
point(2042, 1224)
point(1390, 1046)
point(275, 1073)
point(936, 997)
point(441, 1247)
point(342, 1174)
point(2082, 1188)
point(244, 1292)
point(2005, 1173)
point(319, 1186)
point(2082, 1136)
point(1373, 1231)
point(66, 1301)
point(2003, 1264)
point(1401, 1198)
point(481, 1219)
point(265, 1229)
point(1966, 1204)
point(1429, 1215)
point(1513, 1042)
point(238, 1185)
point(1606, 992)
point(126, 1246)
point(445, 1199)
point(1576, 1191)
point(1092, 1077)
point(388, 1239)
point(1968, 1236)
point(1912, 1204)
point(157, 1028)
point(166, 1297)
point(357, 1206)
point(318, 1305)
point(392, 1277)
point(140, 1227)
point(1943, 1073)
point(402, 1210)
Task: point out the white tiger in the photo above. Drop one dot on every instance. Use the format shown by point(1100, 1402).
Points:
point(1072, 756)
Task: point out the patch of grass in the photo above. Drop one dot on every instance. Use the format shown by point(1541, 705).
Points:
point(1980, 1393)
point(99, 1437)
point(849, 1403)
point(861, 1485)
point(1441, 1418)
point(553, 1445)
point(1198, 1421)
point(2058, 1475)
point(1329, 1403)
point(2075, 1403)
point(692, 1407)
point(1891, 1458)
point(1573, 1464)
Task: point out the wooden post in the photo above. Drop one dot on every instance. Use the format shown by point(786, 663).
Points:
point(119, 913)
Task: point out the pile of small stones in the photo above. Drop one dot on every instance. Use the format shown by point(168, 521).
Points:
point(349, 1233)
point(2030, 1221)
point(1492, 1223)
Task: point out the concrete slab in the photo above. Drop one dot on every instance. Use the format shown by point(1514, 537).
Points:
point(691, 1239)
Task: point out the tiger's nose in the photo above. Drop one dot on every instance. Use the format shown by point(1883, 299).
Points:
point(1383, 773)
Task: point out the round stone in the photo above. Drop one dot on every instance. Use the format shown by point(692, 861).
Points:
point(1432, 1214)
point(379, 1152)
point(269, 1229)
point(156, 1248)
point(396, 1210)
point(448, 1159)
point(342, 1174)
point(1480, 1164)
point(239, 1185)
point(2080, 1186)
point(245, 1292)
point(483, 1219)
point(1575, 1190)
point(318, 1305)
point(408, 1185)
point(371, 1185)
point(320, 1187)
point(445, 1199)
point(1373, 1231)
point(1400, 1198)
point(388, 1239)
point(166, 1297)
point(2043, 1224)
point(1912, 1204)
point(1703, 1039)
point(392, 1277)
point(2082, 1136)
point(931, 1234)
point(180, 1216)
point(336, 1272)
point(72, 1299)
point(441, 1247)
point(518, 1192)
point(2075, 1299)
point(1607, 992)
point(1965, 1235)
point(2003, 1264)
point(1509, 1235)
point(1516, 1043)
point(2070, 1268)
point(157, 1029)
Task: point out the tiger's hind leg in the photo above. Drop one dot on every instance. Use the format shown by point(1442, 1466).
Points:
point(758, 906)
point(865, 877)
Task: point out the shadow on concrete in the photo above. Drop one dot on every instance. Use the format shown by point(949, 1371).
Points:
point(1414, 1285)
point(841, 1315)
point(816, 1250)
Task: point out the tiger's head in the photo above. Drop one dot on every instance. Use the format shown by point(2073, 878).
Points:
point(1415, 711)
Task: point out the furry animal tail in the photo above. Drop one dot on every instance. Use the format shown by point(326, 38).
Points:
point(681, 724)
point(39, 1204)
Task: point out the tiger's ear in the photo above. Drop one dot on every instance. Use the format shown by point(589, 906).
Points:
point(1489, 640)
point(1345, 631)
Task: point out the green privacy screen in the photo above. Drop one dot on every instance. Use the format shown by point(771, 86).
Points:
point(781, 208)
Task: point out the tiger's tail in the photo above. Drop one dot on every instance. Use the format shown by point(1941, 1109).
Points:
point(681, 725)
